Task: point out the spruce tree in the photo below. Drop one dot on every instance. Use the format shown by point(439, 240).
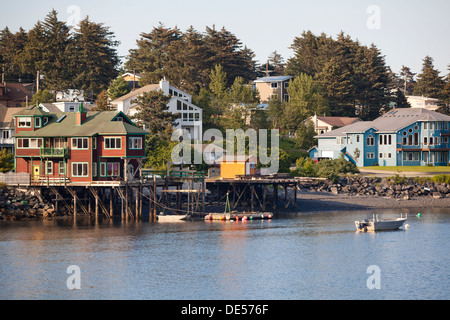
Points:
point(429, 82)
point(96, 56)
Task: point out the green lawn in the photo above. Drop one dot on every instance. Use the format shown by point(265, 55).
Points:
point(410, 168)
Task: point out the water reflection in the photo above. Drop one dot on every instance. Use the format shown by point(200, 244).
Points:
point(297, 256)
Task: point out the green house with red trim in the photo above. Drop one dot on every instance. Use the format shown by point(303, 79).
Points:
point(78, 147)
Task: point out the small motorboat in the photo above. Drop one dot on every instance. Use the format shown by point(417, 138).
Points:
point(376, 224)
point(172, 217)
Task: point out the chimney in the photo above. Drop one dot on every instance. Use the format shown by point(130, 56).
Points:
point(80, 115)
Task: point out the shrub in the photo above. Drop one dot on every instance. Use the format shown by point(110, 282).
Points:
point(441, 178)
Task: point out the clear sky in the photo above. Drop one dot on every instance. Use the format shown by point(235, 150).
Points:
point(404, 30)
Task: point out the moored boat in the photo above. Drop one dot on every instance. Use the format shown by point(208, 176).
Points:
point(376, 224)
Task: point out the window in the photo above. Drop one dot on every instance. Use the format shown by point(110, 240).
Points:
point(357, 138)
point(103, 169)
point(390, 139)
point(24, 122)
point(405, 141)
point(80, 143)
point(431, 141)
point(38, 122)
point(370, 141)
point(5, 134)
point(370, 155)
point(381, 155)
point(410, 140)
point(62, 168)
point(197, 116)
point(113, 169)
point(32, 143)
point(59, 143)
point(445, 139)
point(416, 139)
point(178, 105)
point(425, 125)
point(94, 169)
point(274, 85)
point(94, 143)
point(286, 84)
point(113, 143)
point(80, 169)
point(389, 155)
point(340, 140)
point(135, 143)
point(425, 140)
point(381, 140)
point(49, 168)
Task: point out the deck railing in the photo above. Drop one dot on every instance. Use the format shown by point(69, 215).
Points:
point(55, 152)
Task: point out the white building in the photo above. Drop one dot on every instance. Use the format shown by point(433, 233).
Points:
point(74, 95)
point(181, 102)
point(423, 102)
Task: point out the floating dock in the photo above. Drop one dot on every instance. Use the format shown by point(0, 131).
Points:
point(239, 216)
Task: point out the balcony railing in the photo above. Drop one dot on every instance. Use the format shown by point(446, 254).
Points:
point(55, 152)
point(423, 146)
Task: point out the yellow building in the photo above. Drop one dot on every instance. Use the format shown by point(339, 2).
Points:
point(230, 167)
point(272, 88)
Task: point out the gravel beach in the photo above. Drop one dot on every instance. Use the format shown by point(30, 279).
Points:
point(325, 201)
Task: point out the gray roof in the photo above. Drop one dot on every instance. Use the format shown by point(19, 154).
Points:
point(274, 79)
point(390, 122)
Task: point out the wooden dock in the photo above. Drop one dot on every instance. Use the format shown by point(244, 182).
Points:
point(170, 192)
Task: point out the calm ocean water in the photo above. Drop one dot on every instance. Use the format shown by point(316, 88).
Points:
point(296, 256)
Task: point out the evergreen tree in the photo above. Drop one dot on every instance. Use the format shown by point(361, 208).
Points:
point(305, 100)
point(42, 96)
point(96, 56)
point(406, 80)
point(102, 103)
point(11, 47)
point(429, 83)
point(154, 51)
point(118, 88)
point(153, 114)
point(50, 50)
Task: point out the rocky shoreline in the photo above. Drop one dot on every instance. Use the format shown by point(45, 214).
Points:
point(382, 187)
point(25, 204)
point(349, 193)
point(364, 193)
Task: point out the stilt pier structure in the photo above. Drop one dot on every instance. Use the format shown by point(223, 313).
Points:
point(175, 192)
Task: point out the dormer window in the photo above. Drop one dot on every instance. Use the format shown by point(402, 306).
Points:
point(24, 122)
point(38, 122)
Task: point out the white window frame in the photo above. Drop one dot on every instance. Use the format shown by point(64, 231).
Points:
point(83, 147)
point(24, 122)
point(115, 143)
point(62, 165)
point(47, 167)
point(38, 143)
point(83, 174)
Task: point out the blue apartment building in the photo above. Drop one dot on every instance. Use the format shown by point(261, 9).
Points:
point(401, 137)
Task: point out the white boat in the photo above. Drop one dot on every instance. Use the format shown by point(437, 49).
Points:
point(376, 224)
point(171, 217)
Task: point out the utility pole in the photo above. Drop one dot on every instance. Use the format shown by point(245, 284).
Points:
point(37, 81)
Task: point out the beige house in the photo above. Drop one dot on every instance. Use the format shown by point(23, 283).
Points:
point(326, 124)
point(272, 88)
point(423, 102)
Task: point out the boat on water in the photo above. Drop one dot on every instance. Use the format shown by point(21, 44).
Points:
point(172, 217)
point(376, 224)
